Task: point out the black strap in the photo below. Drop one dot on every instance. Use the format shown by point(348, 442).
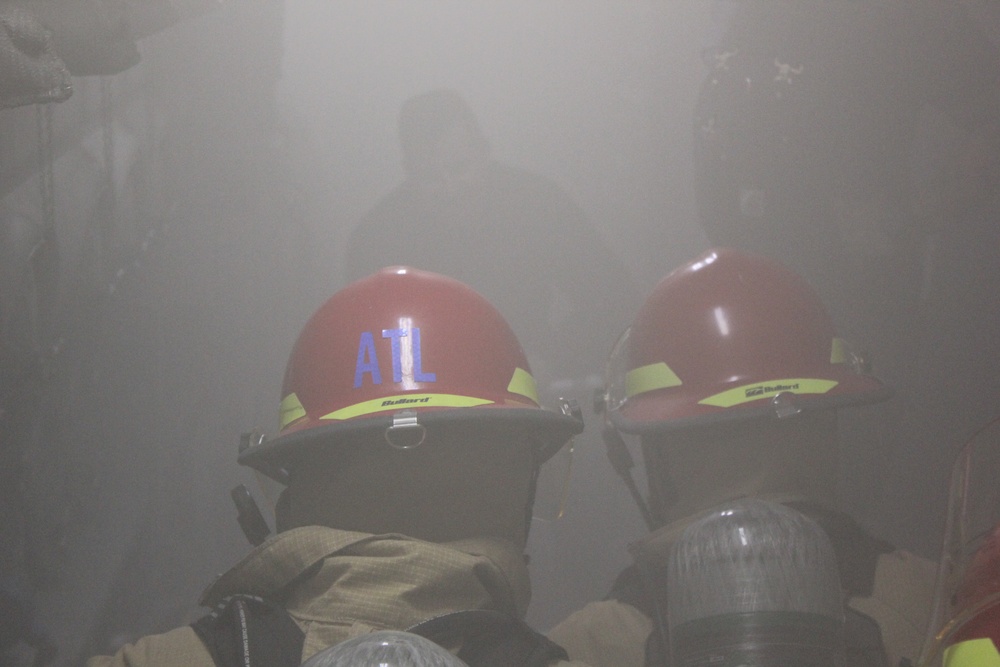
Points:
point(248, 631)
point(628, 588)
point(491, 639)
point(864, 640)
point(857, 552)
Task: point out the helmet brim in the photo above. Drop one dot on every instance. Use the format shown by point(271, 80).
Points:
point(675, 409)
point(552, 430)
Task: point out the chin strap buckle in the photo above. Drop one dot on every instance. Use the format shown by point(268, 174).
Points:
point(405, 432)
point(785, 405)
point(571, 408)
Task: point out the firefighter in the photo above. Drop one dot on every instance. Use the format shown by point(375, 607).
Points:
point(731, 376)
point(410, 440)
point(965, 627)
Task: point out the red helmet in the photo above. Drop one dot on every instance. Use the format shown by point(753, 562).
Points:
point(405, 348)
point(974, 640)
point(730, 335)
point(965, 626)
point(977, 642)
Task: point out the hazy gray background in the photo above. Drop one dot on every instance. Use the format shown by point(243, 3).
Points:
point(247, 144)
point(596, 95)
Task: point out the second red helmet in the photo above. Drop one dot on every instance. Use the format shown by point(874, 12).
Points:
point(723, 336)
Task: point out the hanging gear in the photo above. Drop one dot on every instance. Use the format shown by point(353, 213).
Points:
point(731, 336)
point(400, 352)
point(752, 116)
point(93, 37)
point(30, 70)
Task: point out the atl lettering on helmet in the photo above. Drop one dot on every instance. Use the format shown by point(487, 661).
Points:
point(407, 363)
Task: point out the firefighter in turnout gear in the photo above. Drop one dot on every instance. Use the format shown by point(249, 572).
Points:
point(409, 445)
point(731, 376)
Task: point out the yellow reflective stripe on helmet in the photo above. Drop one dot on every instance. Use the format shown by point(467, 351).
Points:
point(406, 401)
point(972, 653)
point(647, 378)
point(839, 352)
point(290, 410)
point(758, 390)
point(523, 384)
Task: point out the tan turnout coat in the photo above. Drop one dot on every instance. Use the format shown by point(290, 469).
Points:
point(344, 584)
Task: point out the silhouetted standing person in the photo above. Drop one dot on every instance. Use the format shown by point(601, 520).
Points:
point(515, 236)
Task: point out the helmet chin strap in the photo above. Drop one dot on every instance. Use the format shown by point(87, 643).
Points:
point(529, 509)
point(254, 439)
point(252, 522)
point(406, 432)
point(622, 461)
